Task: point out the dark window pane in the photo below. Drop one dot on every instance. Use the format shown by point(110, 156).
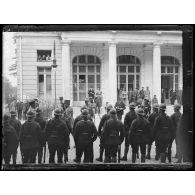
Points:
point(91, 68)
point(40, 70)
point(132, 60)
point(122, 68)
point(74, 78)
point(82, 68)
point(169, 69)
point(91, 79)
point(130, 78)
point(137, 81)
point(97, 68)
point(41, 78)
point(176, 69)
point(82, 96)
point(82, 59)
point(98, 78)
point(131, 69)
point(122, 78)
point(48, 84)
point(43, 55)
point(98, 60)
point(98, 86)
point(176, 86)
point(176, 78)
point(91, 85)
point(137, 69)
point(137, 61)
point(122, 85)
point(82, 79)
point(162, 69)
point(91, 59)
point(130, 86)
point(74, 68)
point(169, 60)
point(48, 70)
point(74, 96)
point(74, 61)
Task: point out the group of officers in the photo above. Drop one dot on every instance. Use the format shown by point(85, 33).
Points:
point(140, 129)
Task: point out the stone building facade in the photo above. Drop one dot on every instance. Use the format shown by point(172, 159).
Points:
point(109, 60)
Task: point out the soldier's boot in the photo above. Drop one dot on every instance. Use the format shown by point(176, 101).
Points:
point(133, 157)
point(143, 158)
point(124, 158)
point(137, 155)
point(113, 160)
point(169, 157)
point(100, 159)
point(148, 152)
point(157, 155)
point(162, 157)
point(14, 158)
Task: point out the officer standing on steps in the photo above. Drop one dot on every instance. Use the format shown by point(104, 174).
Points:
point(57, 136)
point(151, 119)
point(163, 132)
point(16, 124)
point(30, 138)
point(129, 117)
point(104, 118)
point(112, 137)
point(175, 120)
point(42, 122)
point(120, 107)
point(139, 135)
point(84, 135)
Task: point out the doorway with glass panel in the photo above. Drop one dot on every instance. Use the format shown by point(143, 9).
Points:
point(128, 77)
point(86, 75)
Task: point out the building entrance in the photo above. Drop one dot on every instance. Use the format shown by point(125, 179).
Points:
point(86, 75)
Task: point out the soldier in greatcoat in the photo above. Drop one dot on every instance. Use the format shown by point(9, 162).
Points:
point(30, 138)
point(10, 140)
point(104, 118)
point(112, 136)
point(120, 107)
point(57, 136)
point(139, 135)
point(151, 120)
point(175, 120)
point(16, 124)
point(19, 107)
point(84, 135)
point(163, 132)
point(129, 117)
point(42, 122)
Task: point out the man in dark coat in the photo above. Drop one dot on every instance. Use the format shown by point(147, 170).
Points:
point(104, 118)
point(16, 124)
point(151, 120)
point(68, 123)
point(10, 140)
point(57, 136)
point(120, 107)
point(26, 106)
point(30, 138)
point(139, 135)
point(85, 134)
point(42, 122)
point(142, 93)
point(147, 107)
point(175, 120)
point(130, 95)
point(19, 107)
point(91, 93)
point(129, 117)
point(163, 132)
point(112, 136)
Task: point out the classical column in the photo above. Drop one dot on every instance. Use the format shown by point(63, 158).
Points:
point(157, 71)
point(66, 74)
point(112, 74)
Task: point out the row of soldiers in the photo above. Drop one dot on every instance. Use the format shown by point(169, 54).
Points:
point(138, 130)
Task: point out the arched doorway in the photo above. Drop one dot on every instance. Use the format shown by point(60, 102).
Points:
point(86, 74)
point(169, 77)
point(128, 73)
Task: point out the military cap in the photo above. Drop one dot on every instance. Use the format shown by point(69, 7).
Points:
point(155, 105)
point(13, 113)
point(6, 117)
point(83, 107)
point(140, 111)
point(162, 107)
point(177, 106)
point(38, 110)
point(85, 112)
point(113, 111)
point(132, 105)
point(57, 111)
point(109, 107)
point(30, 114)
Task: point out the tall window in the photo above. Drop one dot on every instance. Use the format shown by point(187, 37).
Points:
point(128, 70)
point(86, 75)
point(170, 66)
point(44, 83)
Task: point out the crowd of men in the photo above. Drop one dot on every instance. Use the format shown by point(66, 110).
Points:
point(142, 126)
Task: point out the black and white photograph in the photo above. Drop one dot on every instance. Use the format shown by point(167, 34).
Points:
point(97, 97)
